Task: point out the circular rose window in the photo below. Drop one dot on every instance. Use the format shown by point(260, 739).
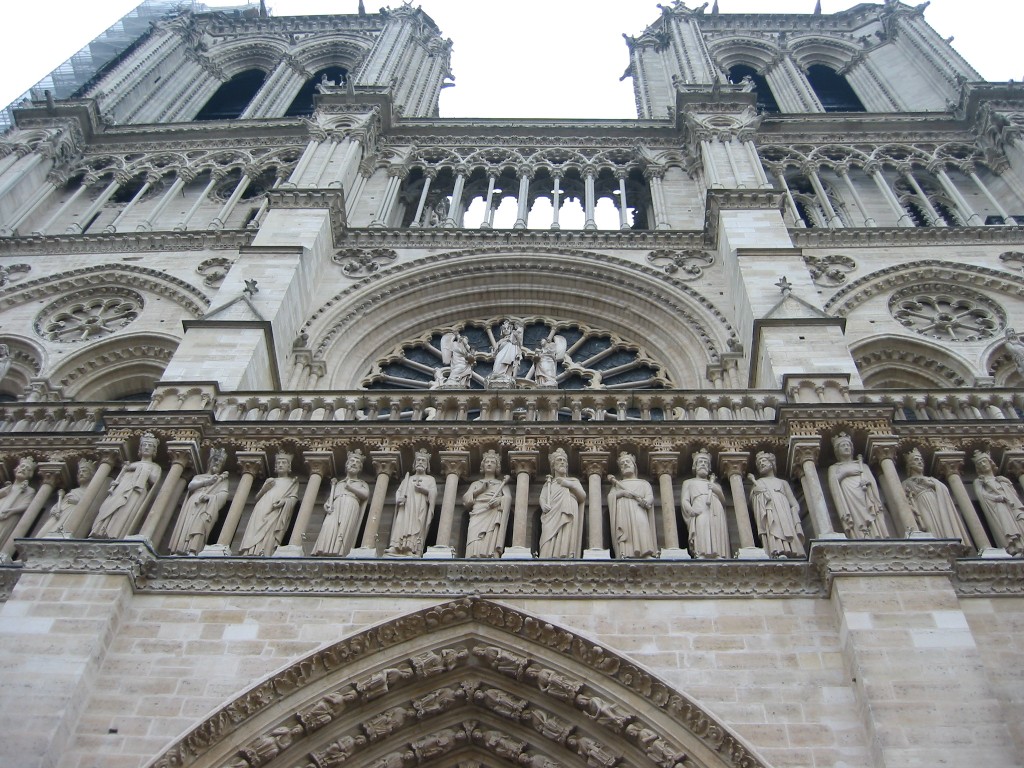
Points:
point(936, 311)
point(88, 315)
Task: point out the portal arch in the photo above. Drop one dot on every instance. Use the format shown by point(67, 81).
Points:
point(459, 680)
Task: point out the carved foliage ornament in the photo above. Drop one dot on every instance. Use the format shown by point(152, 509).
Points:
point(947, 313)
point(214, 271)
point(829, 271)
point(359, 262)
point(88, 315)
point(685, 265)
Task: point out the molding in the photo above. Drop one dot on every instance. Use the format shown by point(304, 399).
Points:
point(881, 237)
point(126, 242)
point(523, 238)
point(888, 557)
point(989, 577)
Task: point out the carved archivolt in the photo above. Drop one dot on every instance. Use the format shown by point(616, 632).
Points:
point(686, 329)
point(105, 276)
point(900, 276)
point(462, 679)
point(887, 363)
point(121, 366)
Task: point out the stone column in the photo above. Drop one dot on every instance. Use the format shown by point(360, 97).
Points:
point(218, 222)
point(803, 463)
point(874, 170)
point(524, 465)
point(54, 181)
point(733, 465)
point(556, 201)
point(320, 464)
point(665, 465)
point(78, 227)
point(183, 454)
point(523, 199)
point(595, 465)
point(332, 146)
point(882, 450)
point(252, 465)
point(711, 175)
point(52, 474)
point(780, 179)
point(455, 466)
point(215, 177)
point(454, 212)
point(305, 160)
point(151, 179)
point(182, 178)
point(655, 179)
point(811, 171)
point(970, 216)
point(908, 174)
point(969, 170)
point(79, 522)
point(843, 172)
point(428, 176)
point(589, 176)
point(84, 185)
point(623, 205)
point(12, 177)
point(385, 464)
point(730, 156)
point(950, 465)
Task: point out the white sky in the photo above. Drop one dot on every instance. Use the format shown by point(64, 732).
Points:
point(512, 58)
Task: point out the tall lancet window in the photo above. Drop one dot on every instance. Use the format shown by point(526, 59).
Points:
point(832, 90)
point(765, 98)
point(233, 97)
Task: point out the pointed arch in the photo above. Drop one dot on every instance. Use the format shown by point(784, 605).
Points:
point(463, 678)
point(888, 362)
point(115, 369)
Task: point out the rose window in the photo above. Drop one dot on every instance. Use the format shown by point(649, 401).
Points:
point(549, 354)
point(935, 311)
point(88, 315)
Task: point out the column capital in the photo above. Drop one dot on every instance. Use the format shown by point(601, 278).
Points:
point(1013, 463)
point(946, 463)
point(733, 463)
point(112, 452)
point(842, 168)
point(319, 463)
point(801, 451)
point(385, 462)
point(184, 452)
point(872, 167)
point(594, 462)
point(455, 463)
point(523, 461)
point(54, 473)
point(252, 463)
point(881, 447)
point(664, 463)
point(654, 172)
point(810, 167)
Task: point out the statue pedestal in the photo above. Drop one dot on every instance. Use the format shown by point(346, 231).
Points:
point(216, 550)
point(439, 553)
point(920, 535)
point(500, 382)
point(674, 553)
point(597, 554)
point(360, 552)
point(289, 550)
point(517, 553)
point(752, 553)
point(833, 536)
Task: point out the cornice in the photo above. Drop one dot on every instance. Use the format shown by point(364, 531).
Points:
point(877, 237)
point(651, 579)
point(495, 238)
point(127, 242)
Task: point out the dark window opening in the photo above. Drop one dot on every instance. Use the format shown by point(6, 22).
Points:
point(832, 90)
point(233, 97)
point(127, 192)
point(765, 98)
point(302, 104)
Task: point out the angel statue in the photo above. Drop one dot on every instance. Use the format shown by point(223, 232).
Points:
point(546, 358)
point(456, 352)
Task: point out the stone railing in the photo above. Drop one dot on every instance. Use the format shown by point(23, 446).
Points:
point(948, 405)
point(59, 417)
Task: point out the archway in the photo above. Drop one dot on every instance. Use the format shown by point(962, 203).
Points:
point(465, 680)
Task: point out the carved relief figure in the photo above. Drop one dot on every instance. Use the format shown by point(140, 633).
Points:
point(631, 509)
point(60, 513)
point(207, 494)
point(414, 508)
point(5, 361)
point(703, 506)
point(1000, 502)
point(508, 351)
point(561, 510)
point(930, 501)
point(546, 359)
point(345, 506)
point(456, 352)
point(325, 710)
point(15, 497)
point(855, 493)
point(1015, 348)
point(130, 494)
point(272, 511)
point(489, 501)
point(338, 752)
point(776, 510)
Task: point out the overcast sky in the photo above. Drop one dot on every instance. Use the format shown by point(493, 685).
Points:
point(512, 58)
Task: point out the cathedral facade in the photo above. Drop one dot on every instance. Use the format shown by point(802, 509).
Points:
point(334, 431)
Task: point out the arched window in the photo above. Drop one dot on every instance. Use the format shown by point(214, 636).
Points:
point(765, 98)
point(302, 104)
point(832, 90)
point(233, 97)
